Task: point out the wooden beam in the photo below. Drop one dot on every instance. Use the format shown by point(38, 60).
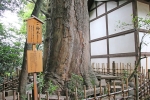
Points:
point(131, 54)
point(114, 35)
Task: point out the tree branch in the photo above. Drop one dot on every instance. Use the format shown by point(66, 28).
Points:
point(45, 13)
point(31, 1)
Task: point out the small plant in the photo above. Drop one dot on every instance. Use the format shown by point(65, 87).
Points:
point(125, 75)
point(40, 81)
point(93, 82)
point(52, 88)
point(24, 97)
point(76, 82)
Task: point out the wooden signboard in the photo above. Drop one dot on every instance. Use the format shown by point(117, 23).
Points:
point(34, 30)
point(34, 61)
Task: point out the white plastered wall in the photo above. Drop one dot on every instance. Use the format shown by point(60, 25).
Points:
point(122, 44)
point(101, 9)
point(119, 16)
point(146, 42)
point(98, 28)
point(143, 10)
point(99, 47)
point(111, 5)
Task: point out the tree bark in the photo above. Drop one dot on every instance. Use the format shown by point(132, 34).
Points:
point(23, 77)
point(66, 48)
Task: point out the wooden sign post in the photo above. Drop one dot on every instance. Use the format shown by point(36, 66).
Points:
point(34, 57)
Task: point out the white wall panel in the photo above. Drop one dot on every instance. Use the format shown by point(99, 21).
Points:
point(122, 14)
point(124, 60)
point(143, 10)
point(92, 14)
point(111, 5)
point(99, 60)
point(145, 48)
point(101, 10)
point(99, 47)
point(98, 28)
point(122, 44)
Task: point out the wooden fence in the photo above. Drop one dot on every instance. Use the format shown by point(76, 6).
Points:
point(109, 92)
point(117, 69)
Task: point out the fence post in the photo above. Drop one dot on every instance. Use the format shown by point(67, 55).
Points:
point(58, 95)
point(113, 68)
point(47, 96)
point(14, 94)
point(84, 92)
point(66, 93)
point(146, 66)
point(109, 91)
point(28, 96)
point(39, 96)
point(137, 86)
point(108, 68)
point(100, 91)
point(94, 92)
point(18, 96)
point(123, 90)
point(127, 86)
point(3, 94)
point(76, 94)
point(114, 90)
point(149, 74)
point(102, 68)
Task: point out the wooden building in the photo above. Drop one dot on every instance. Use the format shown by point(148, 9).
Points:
point(108, 41)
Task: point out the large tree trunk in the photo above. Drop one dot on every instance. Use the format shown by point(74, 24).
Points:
point(66, 47)
point(23, 77)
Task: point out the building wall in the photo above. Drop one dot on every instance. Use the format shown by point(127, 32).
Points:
point(143, 9)
point(111, 38)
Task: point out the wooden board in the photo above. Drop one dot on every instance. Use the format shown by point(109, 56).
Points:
point(34, 61)
point(34, 31)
